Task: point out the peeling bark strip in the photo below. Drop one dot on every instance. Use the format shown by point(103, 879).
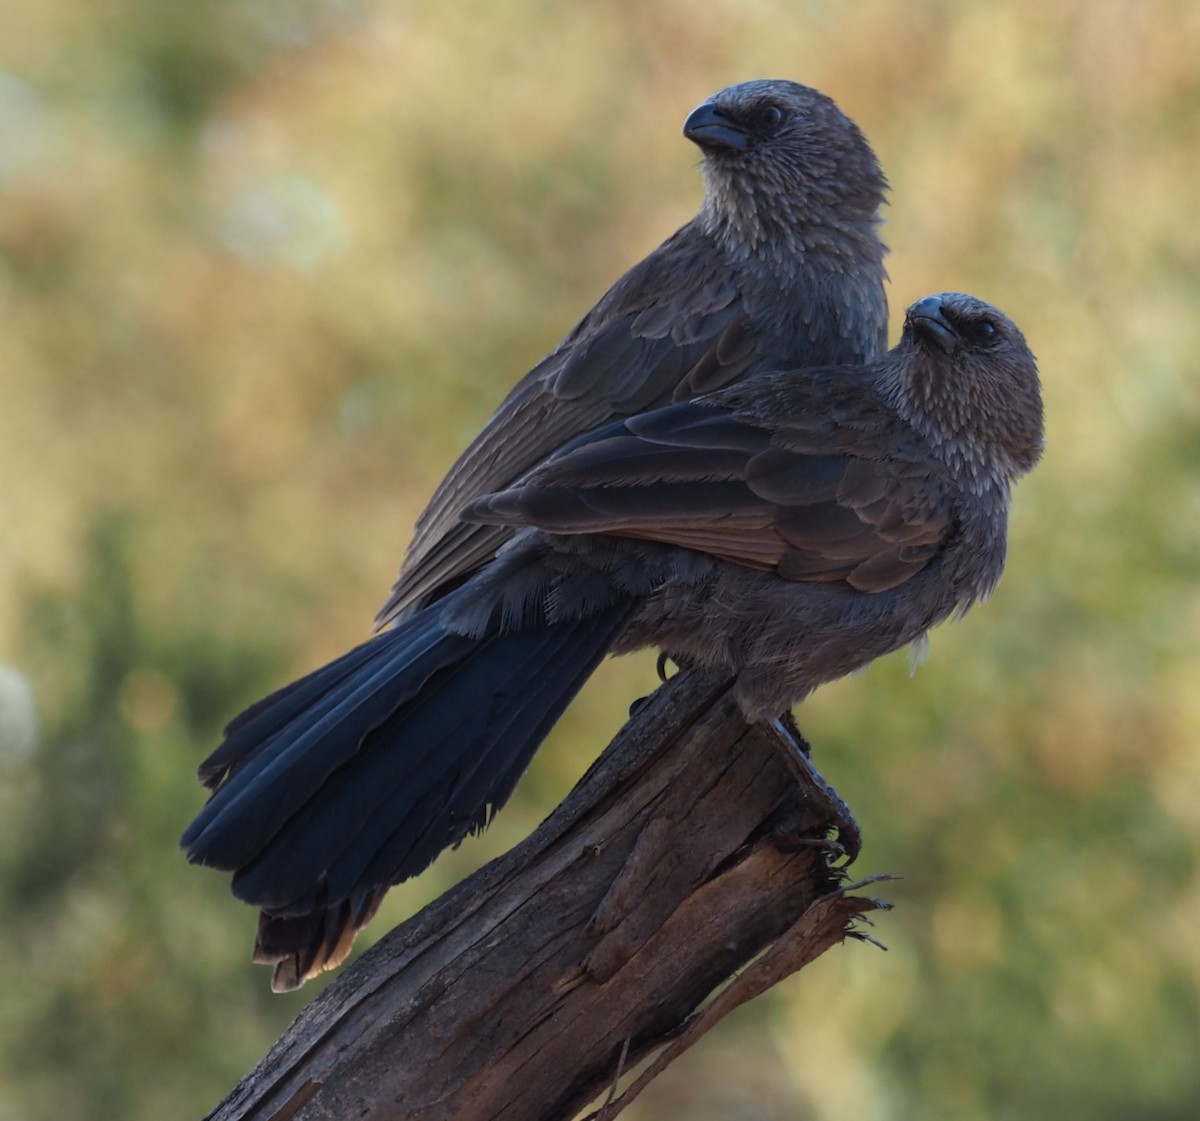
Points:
point(524, 992)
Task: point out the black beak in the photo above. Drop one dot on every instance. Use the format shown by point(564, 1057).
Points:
point(925, 317)
point(710, 129)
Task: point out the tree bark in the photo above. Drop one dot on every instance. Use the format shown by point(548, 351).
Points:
point(694, 844)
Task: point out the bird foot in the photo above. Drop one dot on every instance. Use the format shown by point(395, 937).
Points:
point(849, 836)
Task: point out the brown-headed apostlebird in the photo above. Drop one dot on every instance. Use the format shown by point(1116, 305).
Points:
point(784, 530)
point(782, 267)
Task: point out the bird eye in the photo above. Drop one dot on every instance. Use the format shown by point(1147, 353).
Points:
point(984, 332)
point(770, 117)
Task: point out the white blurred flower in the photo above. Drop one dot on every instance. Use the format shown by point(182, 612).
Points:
point(285, 218)
point(18, 716)
point(24, 125)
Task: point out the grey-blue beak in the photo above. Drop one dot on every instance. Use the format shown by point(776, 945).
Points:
point(709, 128)
point(926, 318)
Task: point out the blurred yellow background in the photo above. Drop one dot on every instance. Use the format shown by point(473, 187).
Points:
point(265, 267)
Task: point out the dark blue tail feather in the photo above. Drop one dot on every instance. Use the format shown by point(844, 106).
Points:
point(496, 762)
point(253, 727)
point(358, 775)
point(265, 782)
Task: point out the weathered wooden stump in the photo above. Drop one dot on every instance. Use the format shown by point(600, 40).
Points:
point(694, 846)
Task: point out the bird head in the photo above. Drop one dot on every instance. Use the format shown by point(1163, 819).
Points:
point(969, 381)
point(781, 160)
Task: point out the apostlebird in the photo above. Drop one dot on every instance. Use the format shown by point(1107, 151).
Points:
point(782, 267)
point(784, 531)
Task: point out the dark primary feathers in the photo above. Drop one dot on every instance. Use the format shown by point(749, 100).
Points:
point(782, 267)
point(785, 530)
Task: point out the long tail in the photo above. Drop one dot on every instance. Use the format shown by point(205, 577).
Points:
point(355, 777)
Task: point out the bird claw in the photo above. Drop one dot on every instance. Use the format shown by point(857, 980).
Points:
point(830, 846)
point(849, 836)
point(661, 666)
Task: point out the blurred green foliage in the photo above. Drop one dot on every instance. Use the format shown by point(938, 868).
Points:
point(266, 265)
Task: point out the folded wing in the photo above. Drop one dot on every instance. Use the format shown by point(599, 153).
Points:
point(826, 501)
